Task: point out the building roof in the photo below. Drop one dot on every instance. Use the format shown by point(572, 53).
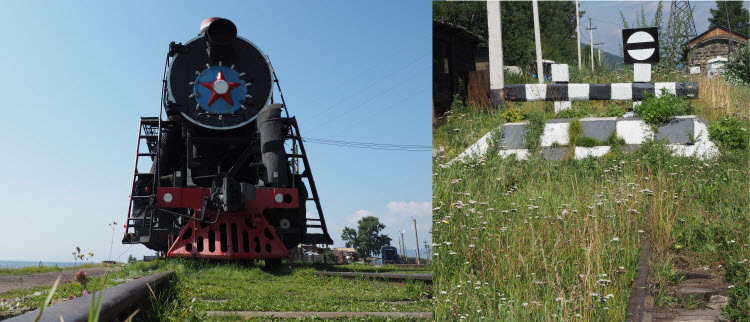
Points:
point(718, 31)
point(441, 26)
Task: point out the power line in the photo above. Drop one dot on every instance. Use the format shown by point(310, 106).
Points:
point(368, 86)
point(370, 145)
point(611, 23)
point(398, 102)
point(364, 103)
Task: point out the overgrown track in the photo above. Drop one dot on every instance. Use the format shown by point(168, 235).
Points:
point(390, 277)
point(115, 301)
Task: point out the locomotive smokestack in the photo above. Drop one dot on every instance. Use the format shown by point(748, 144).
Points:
point(219, 33)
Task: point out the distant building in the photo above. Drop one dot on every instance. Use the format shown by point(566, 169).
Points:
point(713, 43)
point(345, 255)
point(454, 51)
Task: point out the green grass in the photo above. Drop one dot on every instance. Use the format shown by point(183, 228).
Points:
point(246, 286)
point(67, 288)
point(201, 286)
point(503, 226)
point(43, 269)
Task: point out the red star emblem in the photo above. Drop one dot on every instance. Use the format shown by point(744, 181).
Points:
point(220, 88)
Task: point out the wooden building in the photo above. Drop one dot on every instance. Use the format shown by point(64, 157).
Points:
point(454, 51)
point(712, 43)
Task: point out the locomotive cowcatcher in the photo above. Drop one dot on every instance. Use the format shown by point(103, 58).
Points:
point(225, 181)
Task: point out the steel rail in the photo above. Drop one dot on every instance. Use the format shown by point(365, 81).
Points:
point(116, 301)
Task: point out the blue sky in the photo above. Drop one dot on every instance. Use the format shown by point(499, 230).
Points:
point(606, 17)
point(76, 77)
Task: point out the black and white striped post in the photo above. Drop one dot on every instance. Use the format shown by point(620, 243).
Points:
point(642, 74)
point(560, 75)
point(596, 92)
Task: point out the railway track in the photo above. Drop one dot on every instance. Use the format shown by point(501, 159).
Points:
point(117, 302)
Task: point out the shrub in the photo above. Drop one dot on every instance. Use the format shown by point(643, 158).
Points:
point(614, 110)
point(574, 130)
point(659, 110)
point(582, 111)
point(615, 141)
point(512, 115)
point(737, 68)
point(729, 133)
point(587, 142)
point(534, 130)
point(458, 103)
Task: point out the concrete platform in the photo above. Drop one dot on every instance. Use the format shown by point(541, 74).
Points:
point(685, 136)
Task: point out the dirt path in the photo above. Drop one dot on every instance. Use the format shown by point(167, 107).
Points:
point(13, 282)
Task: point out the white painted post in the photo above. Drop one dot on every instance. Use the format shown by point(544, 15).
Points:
point(641, 74)
point(538, 39)
point(494, 30)
point(560, 75)
point(578, 36)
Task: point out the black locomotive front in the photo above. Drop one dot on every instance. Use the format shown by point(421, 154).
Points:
point(227, 187)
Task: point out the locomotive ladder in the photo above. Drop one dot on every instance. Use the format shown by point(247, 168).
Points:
point(319, 222)
point(148, 131)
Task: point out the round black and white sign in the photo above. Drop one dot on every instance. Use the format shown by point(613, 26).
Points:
point(640, 45)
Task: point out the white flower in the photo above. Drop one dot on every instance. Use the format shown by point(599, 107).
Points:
point(615, 239)
point(525, 304)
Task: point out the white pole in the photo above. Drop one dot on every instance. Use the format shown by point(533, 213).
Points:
point(538, 39)
point(416, 238)
point(494, 31)
point(578, 36)
point(600, 55)
point(591, 44)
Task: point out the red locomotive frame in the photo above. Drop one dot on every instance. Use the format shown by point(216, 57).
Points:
point(236, 235)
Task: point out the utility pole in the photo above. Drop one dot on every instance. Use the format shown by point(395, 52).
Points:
point(416, 238)
point(538, 39)
point(578, 36)
point(426, 250)
point(600, 52)
point(495, 35)
point(403, 248)
point(591, 43)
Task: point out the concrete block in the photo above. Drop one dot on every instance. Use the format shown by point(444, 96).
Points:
point(554, 153)
point(677, 131)
point(599, 128)
point(633, 131)
point(555, 132)
point(560, 73)
point(521, 154)
point(597, 151)
point(513, 136)
point(641, 73)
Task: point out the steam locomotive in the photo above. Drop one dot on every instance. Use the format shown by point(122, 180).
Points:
point(222, 183)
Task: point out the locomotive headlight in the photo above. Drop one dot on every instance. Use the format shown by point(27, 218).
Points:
point(220, 34)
